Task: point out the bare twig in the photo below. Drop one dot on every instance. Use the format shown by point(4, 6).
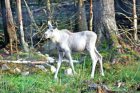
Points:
point(129, 18)
point(31, 16)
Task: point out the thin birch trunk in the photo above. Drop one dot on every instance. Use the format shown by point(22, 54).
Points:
point(135, 21)
point(48, 5)
point(24, 44)
point(91, 16)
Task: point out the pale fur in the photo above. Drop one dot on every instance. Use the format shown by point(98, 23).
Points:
point(67, 42)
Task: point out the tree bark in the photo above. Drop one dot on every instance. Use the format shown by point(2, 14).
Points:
point(135, 21)
point(105, 24)
point(24, 44)
point(82, 21)
point(10, 26)
point(91, 16)
point(48, 5)
point(4, 20)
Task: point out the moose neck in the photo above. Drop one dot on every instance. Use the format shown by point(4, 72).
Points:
point(60, 36)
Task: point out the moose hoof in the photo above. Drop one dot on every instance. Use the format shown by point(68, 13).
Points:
point(55, 78)
point(92, 77)
point(103, 74)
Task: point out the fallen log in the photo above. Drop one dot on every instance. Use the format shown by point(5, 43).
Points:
point(22, 61)
point(25, 62)
point(19, 66)
point(33, 62)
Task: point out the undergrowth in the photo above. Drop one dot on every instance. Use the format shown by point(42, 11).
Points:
point(42, 82)
point(126, 71)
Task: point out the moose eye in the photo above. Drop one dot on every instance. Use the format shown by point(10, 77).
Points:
point(54, 27)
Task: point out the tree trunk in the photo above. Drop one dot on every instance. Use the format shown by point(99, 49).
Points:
point(3, 11)
point(24, 44)
point(82, 22)
point(48, 5)
point(91, 16)
point(135, 21)
point(10, 25)
point(105, 24)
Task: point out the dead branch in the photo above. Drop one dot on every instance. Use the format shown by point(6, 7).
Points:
point(23, 62)
point(31, 16)
point(39, 9)
point(129, 18)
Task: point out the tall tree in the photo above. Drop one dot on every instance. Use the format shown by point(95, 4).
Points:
point(10, 25)
point(48, 6)
point(3, 12)
point(91, 16)
point(22, 39)
point(105, 24)
point(135, 21)
point(82, 21)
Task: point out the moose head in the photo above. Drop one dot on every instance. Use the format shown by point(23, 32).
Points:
point(50, 31)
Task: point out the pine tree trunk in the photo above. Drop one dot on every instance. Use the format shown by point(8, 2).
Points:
point(10, 26)
point(105, 24)
point(82, 21)
point(4, 20)
point(24, 44)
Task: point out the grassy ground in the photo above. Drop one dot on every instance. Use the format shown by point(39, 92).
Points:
point(40, 82)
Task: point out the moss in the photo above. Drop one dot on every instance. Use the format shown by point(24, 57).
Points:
point(28, 56)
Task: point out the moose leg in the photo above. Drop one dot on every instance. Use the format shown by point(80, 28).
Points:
point(58, 64)
point(100, 61)
point(94, 61)
point(68, 54)
point(101, 66)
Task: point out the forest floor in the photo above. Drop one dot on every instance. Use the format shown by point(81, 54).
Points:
point(119, 78)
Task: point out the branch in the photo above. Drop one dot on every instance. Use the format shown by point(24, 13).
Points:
point(129, 18)
point(31, 16)
point(39, 9)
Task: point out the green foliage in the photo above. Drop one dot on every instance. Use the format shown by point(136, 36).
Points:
point(126, 71)
point(128, 54)
point(44, 83)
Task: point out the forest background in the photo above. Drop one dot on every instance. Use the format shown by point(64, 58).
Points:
point(116, 22)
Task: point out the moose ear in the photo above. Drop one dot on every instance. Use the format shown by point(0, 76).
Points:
point(50, 25)
point(55, 25)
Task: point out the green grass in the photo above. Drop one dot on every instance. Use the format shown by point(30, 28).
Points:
point(44, 83)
